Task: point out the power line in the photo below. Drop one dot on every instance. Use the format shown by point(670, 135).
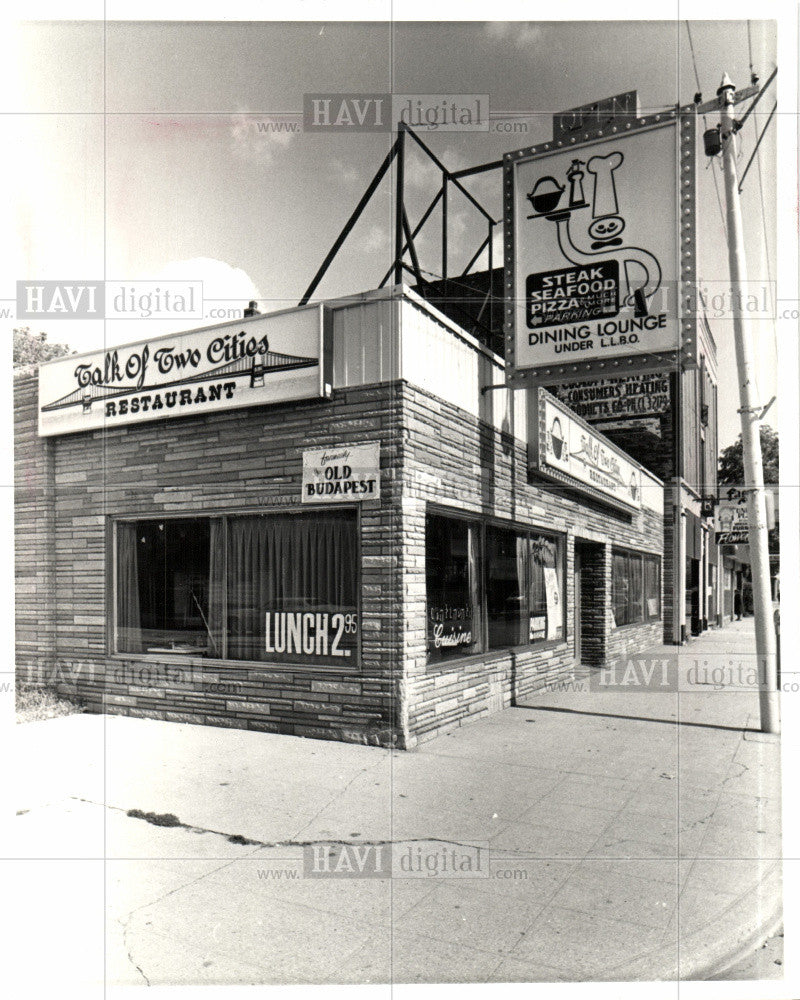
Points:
point(705, 124)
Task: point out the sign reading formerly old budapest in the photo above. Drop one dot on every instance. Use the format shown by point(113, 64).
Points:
point(594, 244)
point(264, 359)
point(568, 449)
point(343, 472)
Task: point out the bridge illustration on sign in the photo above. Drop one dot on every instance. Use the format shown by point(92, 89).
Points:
point(641, 269)
point(256, 368)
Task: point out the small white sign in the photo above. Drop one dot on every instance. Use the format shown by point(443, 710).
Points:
point(553, 598)
point(342, 472)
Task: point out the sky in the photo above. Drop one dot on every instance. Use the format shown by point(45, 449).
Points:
point(141, 157)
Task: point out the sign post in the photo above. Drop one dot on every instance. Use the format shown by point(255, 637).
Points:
point(750, 413)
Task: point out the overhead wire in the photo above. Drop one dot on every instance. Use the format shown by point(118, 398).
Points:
point(705, 123)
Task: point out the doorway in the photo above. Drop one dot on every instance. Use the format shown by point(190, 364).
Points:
point(589, 603)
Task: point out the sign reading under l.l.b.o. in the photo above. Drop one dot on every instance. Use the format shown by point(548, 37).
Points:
point(600, 236)
point(264, 359)
point(566, 448)
point(343, 472)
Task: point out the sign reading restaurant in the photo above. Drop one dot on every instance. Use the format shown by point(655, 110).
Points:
point(566, 448)
point(593, 230)
point(251, 362)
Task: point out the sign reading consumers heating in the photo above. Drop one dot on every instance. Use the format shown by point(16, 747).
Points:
point(251, 362)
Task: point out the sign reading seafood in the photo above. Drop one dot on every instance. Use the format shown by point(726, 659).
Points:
point(595, 247)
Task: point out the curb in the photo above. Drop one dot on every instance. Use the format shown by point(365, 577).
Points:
point(734, 934)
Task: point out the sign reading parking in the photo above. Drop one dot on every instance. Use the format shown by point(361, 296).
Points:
point(596, 232)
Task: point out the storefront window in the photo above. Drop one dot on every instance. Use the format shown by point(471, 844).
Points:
point(292, 588)
point(163, 586)
point(275, 588)
point(519, 593)
point(452, 581)
point(524, 588)
point(652, 586)
point(635, 587)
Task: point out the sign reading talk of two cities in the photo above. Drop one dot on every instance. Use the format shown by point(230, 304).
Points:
point(567, 449)
point(263, 359)
point(599, 233)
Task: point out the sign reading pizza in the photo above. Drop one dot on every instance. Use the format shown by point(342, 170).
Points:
point(593, 230)
point(264, 359)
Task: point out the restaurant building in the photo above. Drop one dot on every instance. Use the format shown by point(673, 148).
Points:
point(332, 521)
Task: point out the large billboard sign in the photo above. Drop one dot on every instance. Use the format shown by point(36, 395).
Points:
point(264, 359)
point(566, 449)
point(599, 243)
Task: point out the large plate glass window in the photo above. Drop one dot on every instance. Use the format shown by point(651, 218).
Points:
point(635, 587)
point(452, 580)
point(275, 588)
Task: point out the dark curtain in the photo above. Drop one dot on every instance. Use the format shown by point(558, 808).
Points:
point(286, 563)
point(129, 631)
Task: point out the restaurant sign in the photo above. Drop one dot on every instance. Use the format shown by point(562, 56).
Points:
point(599, 237)
point(566, 448)
point(342, 472)
point(251, 362)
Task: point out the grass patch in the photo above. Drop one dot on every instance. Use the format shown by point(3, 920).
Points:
point(35, 704)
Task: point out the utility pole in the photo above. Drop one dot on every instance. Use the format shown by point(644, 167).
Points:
point(751, 413)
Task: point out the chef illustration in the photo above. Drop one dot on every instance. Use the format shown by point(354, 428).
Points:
point(641, 269)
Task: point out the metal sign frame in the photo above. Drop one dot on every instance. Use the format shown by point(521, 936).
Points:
point(684, 121)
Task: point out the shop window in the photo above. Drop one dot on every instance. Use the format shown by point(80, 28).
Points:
point(292, 588)
point(524, 588)
point(163, 585)
point(635, 587)
point(275, 588)
point(452, 585)
point(652, 586)
point(513, 580)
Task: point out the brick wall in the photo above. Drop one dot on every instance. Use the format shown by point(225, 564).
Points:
point(432, 452)
point(69, 489)
point(454, 460)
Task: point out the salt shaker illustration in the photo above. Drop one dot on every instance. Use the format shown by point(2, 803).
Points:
point(640, 267)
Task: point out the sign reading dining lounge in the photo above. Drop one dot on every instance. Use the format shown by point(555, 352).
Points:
point(568, 449)
point(262, 359)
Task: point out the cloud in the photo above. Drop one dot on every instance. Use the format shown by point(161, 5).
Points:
point(518, 33)
point(256, 138)
point(377, 238)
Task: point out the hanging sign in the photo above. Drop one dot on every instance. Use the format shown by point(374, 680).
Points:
point(597, 244)
point(264, 359)
point(342, 472)
point(566, 448)
point(627, 398)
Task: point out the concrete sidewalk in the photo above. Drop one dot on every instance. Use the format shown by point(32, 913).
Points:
point(619, 844)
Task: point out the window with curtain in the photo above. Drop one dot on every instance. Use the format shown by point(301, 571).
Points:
point(652, 586)
point(275, 588)
point(510, 578)
point(452, 585)
point(292, 588)
point(635, 587)
point(163, 585)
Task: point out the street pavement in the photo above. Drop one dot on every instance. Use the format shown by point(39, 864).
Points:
point(623, 832)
